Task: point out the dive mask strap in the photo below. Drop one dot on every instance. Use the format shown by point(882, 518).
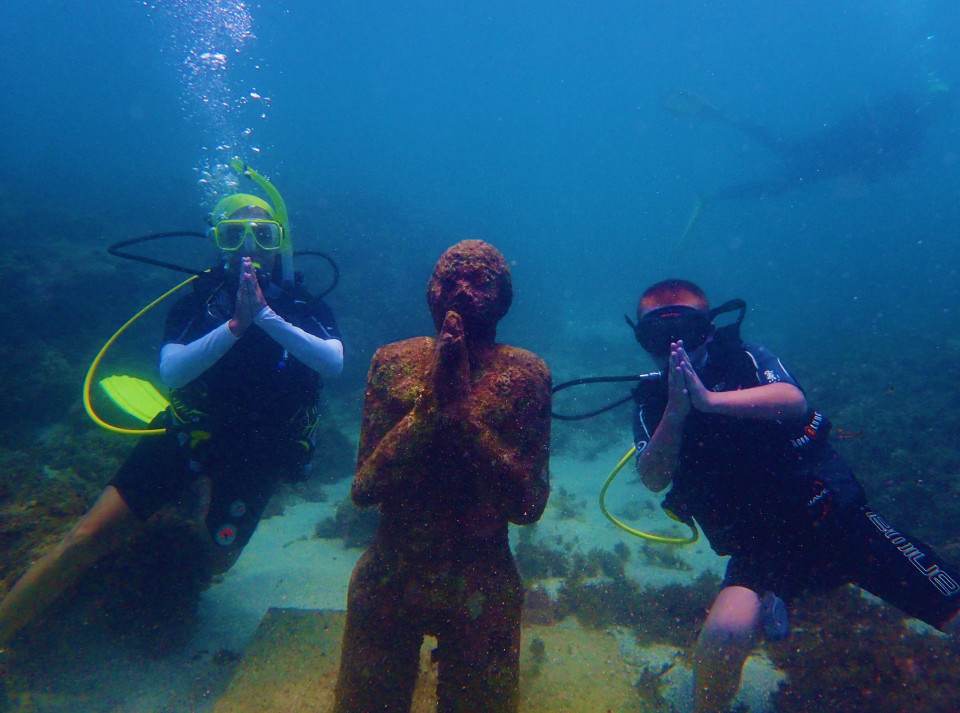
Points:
point(730, 306)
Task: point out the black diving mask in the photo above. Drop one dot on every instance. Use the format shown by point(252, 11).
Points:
point(661, 327)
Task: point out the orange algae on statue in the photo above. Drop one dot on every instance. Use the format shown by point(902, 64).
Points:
point(454, 445)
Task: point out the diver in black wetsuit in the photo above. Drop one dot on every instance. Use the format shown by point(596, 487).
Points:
point(244, 357)
point(881, 136)
point(731, 432)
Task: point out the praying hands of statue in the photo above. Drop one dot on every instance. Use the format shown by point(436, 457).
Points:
point(394, 459)
point(450, 373)
point(422, 401)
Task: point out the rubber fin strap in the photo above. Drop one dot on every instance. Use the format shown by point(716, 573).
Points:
point(137, 397)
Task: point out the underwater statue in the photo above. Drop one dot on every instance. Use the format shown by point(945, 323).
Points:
point(454, 445)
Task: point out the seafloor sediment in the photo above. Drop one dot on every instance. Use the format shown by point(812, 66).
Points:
point(291, 666)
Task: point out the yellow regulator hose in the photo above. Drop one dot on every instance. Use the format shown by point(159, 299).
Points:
point(94, 365)
point(662, 539)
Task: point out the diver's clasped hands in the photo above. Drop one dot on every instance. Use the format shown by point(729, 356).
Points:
point(250, 299)
point(685, 390)
point(678, 397)
point(701, 398)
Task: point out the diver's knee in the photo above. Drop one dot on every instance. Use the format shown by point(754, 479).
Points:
point(720, 636)
point(733, 619)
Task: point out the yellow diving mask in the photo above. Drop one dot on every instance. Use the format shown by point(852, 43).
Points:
point(232, 234)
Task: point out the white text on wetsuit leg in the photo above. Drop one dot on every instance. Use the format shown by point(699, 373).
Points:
point(944, 583)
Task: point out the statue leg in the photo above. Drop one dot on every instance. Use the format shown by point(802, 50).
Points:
point(380, 655)
point(479, 651)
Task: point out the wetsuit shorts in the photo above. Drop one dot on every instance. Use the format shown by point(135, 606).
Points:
point(160, 471)
point(861, 547)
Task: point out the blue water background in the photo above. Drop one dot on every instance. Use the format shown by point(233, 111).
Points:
point(539, 126)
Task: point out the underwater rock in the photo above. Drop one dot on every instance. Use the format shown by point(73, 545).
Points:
point(539, 607)
point(670, 614)
point(673, 614)
point(287, 494)
point(566, 505)
point(62, 307)
point(538, 656)
point(148, 590)
point(851, 655)
point(139, 602)
point(635, 509)
point(759, 684)
point(665, 557)
point(355, 526)
point(600, 602)
point(539, 561)
point(334, 456)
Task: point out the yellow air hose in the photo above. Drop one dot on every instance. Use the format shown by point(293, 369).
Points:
point(662, 539)
point(94, 365)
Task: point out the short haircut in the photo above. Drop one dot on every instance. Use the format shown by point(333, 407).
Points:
point(671, 292)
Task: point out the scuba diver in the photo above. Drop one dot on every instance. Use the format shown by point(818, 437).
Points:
point(730, 431)
point(244, 356)
point(880, 137)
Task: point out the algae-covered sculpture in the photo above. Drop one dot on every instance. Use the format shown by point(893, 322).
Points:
point(454, 445)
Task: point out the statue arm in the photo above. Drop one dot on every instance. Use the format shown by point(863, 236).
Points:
point(390, 445)
point(387, 465)
point(519, 452)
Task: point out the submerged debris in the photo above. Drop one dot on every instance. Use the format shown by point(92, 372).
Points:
point(354, 525)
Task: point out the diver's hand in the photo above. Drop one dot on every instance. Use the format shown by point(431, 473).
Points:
point(700, 397)
point(451, 366)
point(253, 284)
point(250, 299)
point(678, 396)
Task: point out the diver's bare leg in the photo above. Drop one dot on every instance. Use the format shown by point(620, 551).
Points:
point(98, 532)
point(725, 641)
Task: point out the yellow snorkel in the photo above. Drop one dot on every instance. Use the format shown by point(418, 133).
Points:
point(277, 208)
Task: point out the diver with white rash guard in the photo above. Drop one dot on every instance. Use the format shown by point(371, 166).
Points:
point(244, 355)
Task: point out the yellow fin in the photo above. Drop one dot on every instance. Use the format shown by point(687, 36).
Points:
point(137, 397)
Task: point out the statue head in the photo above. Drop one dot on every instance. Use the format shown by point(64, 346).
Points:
point(471, 278)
